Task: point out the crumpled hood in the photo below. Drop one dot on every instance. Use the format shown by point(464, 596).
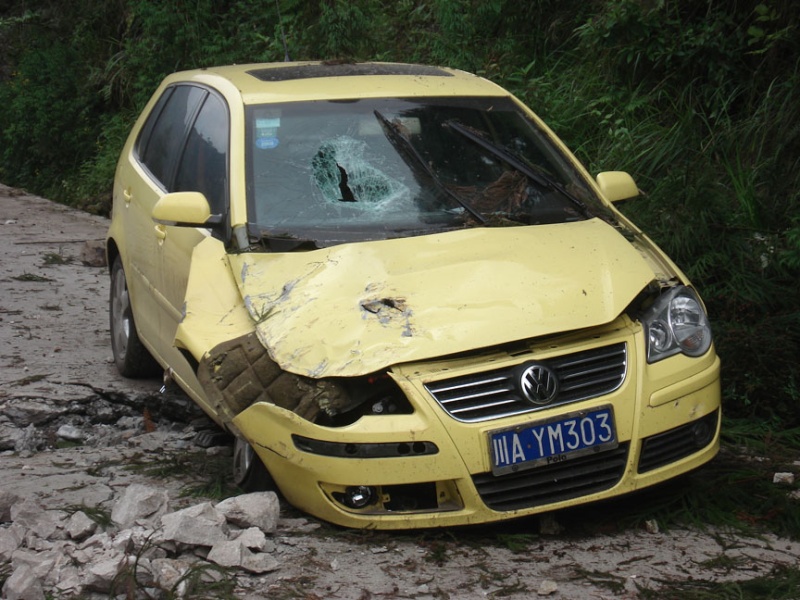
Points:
point(353, 309)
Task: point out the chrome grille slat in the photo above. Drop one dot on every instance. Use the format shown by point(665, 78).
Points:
point(477, 395)
point(483, 406)
point(461, 386)
point(494, 394)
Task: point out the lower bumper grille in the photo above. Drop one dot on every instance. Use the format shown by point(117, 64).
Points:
point(678, 443)
point(553, 483)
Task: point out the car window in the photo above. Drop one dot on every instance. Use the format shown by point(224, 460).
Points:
point(159, 151)
point(330, 172)
point(204, 164)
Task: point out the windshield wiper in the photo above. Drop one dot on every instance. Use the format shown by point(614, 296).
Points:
point(517, 163)
point(407, 150)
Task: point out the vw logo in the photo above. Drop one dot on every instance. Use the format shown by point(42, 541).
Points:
point(539, 384)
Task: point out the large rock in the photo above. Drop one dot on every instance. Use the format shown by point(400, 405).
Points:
point(23, 585)
point(139, 502)
point(80, 526)
point(259, 509)
point(31, 515)
point(235, 554)
point(200, 525)
point(10, 539)
point(7, 500)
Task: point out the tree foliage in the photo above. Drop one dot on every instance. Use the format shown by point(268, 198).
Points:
point(697, 99)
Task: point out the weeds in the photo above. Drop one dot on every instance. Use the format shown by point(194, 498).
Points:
point(52, 258)
point(31, 277)
point(202, 580)
point(613, 583)
point(97, 514)
point(30, 379)
point(210, 475)
point(782, 583)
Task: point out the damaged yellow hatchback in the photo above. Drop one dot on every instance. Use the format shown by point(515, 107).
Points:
point(403, 296)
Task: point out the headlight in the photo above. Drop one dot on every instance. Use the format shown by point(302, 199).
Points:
point(676, 322)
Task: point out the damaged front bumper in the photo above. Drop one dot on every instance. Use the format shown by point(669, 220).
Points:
point(430, 468)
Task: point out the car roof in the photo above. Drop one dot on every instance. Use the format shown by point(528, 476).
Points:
point(297, 81)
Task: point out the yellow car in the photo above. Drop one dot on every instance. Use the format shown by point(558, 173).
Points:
point(404, 297)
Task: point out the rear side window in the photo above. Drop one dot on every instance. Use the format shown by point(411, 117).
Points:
point(163, 135)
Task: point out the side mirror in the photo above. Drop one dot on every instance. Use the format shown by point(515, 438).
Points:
point(185, 209)
point(617, 185)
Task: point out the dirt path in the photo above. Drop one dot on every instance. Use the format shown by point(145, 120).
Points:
point(56, 373)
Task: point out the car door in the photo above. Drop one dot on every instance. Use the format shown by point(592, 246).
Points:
point(147, 177)
point(202, 166)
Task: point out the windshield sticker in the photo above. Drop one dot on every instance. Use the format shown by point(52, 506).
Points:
point(268, 123)
point(267, 143)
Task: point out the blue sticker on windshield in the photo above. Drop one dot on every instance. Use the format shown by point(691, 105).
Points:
point(266, 143)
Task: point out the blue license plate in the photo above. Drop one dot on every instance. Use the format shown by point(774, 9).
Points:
point(553, 440)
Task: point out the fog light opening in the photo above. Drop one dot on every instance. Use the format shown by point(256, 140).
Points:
point(702, 433)
point(358, 496)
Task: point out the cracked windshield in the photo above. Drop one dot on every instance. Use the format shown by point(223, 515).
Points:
point(322, 173)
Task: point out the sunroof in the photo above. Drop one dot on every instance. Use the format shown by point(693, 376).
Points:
point(290, 72)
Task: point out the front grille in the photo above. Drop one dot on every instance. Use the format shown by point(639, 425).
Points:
point(553, 483)
point(495, 394)
point(675, 444)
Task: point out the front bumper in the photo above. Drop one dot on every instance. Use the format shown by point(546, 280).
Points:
point(428, 469)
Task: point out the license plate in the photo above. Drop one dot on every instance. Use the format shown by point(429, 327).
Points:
point(553, 440)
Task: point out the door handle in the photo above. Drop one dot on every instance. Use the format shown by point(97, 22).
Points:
point(161, 233)
point(127, 195)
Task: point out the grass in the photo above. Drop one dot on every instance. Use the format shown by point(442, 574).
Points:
point(210, 476)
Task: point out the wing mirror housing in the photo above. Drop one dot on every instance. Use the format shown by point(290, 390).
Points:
point(617, 186)
point(185, 209)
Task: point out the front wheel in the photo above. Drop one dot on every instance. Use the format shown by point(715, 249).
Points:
point(131, 357)
point(249, 473)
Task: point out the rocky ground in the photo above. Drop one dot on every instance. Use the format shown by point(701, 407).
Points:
point(109, 488)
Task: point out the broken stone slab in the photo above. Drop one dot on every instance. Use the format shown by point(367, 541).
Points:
point(80, 526)
point(783, 478)
point(199, 525)
point(7, 500)
point(70, 433)
point(547, 588)
point(258, 509)
point(93, 253)
point(155, 441)
point(40, 563)
point(31, 515)
point(10, 436)
point(252, 538)
point(10, 539)
point(28, 442)
point(23, 585)
point(236, 554)
point(103, 571)
point(139, 502)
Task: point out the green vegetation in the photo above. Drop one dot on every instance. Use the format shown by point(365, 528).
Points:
point(699, 100)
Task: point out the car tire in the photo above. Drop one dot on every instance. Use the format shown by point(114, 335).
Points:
point(249, 473)
point(130, 355)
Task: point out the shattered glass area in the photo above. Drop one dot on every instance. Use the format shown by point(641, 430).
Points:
point(342, 173)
